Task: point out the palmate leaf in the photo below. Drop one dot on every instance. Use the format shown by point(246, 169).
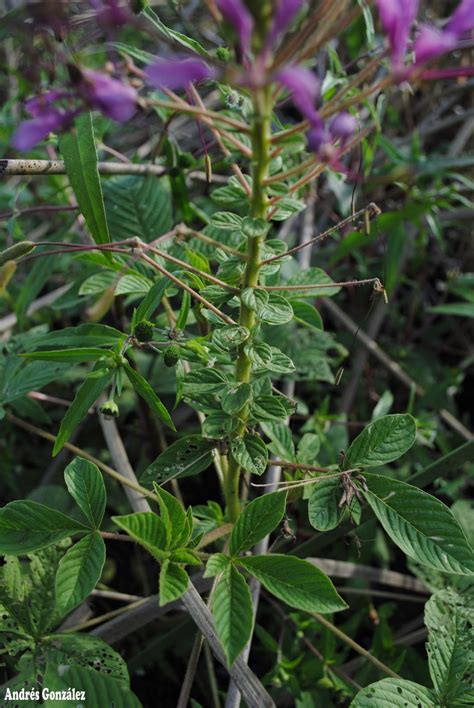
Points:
point(80, 158)
point(395, 693)
point(295, 581)
point(232, 611)
point(384, 440)
point(86, 485)
point(257, 520)
point(421, 525)
point(79, 571)
point(26, 526)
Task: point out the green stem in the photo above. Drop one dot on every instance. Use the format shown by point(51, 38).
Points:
point(260, 134)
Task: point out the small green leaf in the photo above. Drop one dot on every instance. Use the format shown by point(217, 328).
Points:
point(204, 380)
point(185, 457)
point(86, 396)
point(324, 512)
point(174, 36)
point(268, 408)
point(86, 485)
point(173, 582)
point(395, 693)
point(233, 614)
point(71, 356)
point(254, 299)
point(151, 301)
point(26, 526)
point(306, 314)
point(91, 335)
point(251, 453)
point(226, 221)
point(421, 525)
point(144, 389)
point(173, 517)
point(80, 158)
point(256, 521)
point(311, 276)
point(79, 571)
point(295, 581)
point(384, 440)
point(216, 564)
point(148, 529)
point(235, 396)
point(277, 311)
point(230, 336)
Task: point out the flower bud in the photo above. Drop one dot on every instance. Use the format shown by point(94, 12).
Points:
point(109, 410)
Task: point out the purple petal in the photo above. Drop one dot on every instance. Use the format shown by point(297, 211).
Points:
point(462, 19)
point(343, 126)
point(41, 104)
point(31, 132)
point(305, 88)
point(178, 72)
point(432, 42)
point(110, 13)
point(397, 18)
point(317, 137)
point(236, 13)
point(284, 12)
point(113, 98)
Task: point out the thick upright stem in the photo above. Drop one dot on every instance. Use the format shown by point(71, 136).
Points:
point(258, 206)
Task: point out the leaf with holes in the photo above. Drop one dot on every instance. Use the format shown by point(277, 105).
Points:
point(395, 693)
point(256, 521)
point(251, 453)
point(421, 525)
point(79, 571)
point(185, 457)
point(450, 646)
point(86, 485)
point(295, 581)
point(383, 441)
point(232, 610)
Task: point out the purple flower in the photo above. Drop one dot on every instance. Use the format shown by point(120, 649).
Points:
point(462, 19)
point(284, 12)
point(397, 18)
point(33, 131)
point(236, 13)
point(43, 103)
point(113, 98)
point(432, 42)
point(305, 88)
point(343, 126)
point(110, 13)
point(177, 72)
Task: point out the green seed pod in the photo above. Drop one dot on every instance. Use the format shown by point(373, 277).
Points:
point(171, 355)
point(109, 410)
point(144, 331)
point(16, 251)
point(138, 6)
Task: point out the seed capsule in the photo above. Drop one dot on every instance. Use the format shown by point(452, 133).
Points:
point(144, 331)
point(16, 251)
point(172, 355)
